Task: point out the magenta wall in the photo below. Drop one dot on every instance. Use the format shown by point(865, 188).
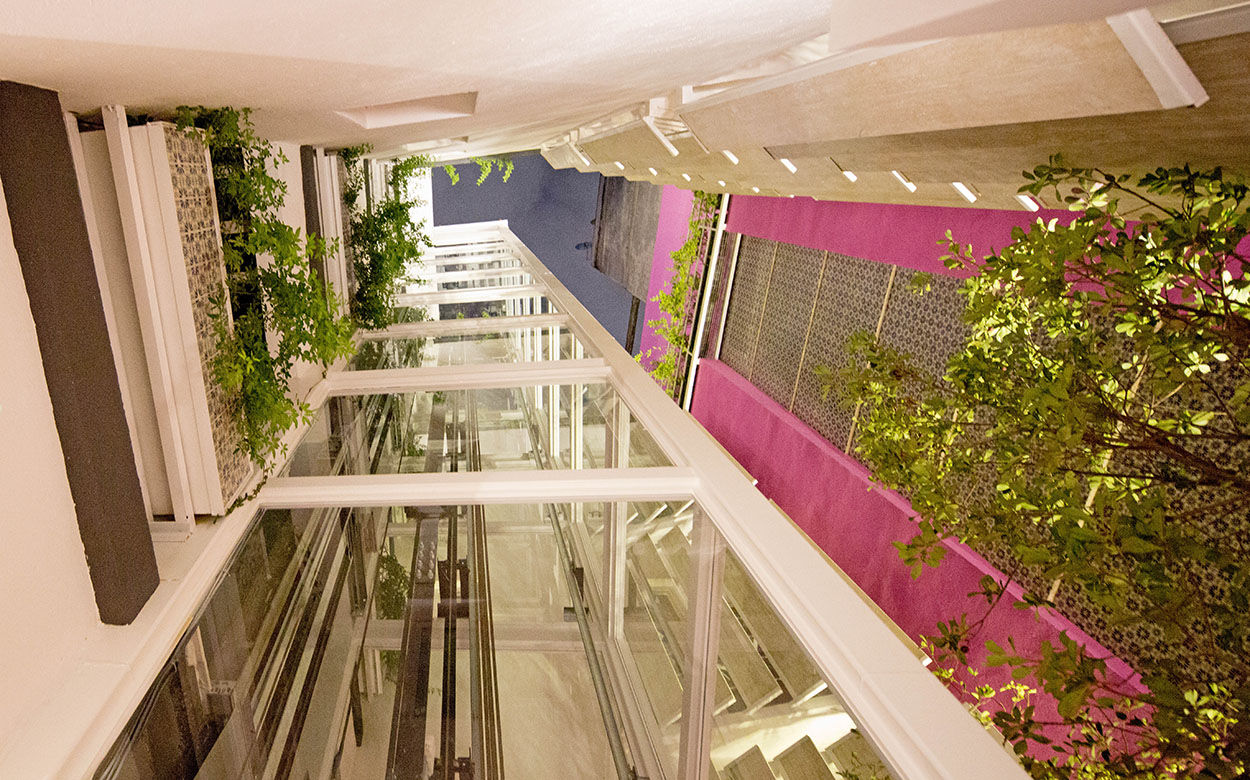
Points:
point(903, 235)
point(831, 497)
point(676, 206)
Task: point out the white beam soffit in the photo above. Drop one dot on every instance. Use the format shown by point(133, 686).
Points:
point(854, 24)
point(409, 112)
point(920, 727)
point(402, 380)
point(481, 487)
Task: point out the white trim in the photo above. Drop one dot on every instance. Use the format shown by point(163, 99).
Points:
point(480, 487)
point(1162, 65)
point(709, 276)
point(407, 330)
point(470, 295)
point(134, 231)
point(402, 380)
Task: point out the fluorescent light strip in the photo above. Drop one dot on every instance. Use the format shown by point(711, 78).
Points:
point(654, 172)
point(581, 155)
point(789, 165)
point(965, 190)
point(721, 182)
point(755, 189)
point(1028, 202)
point(903, 180)
point(850, 175)
point(733, 158)
point(686, 176)
point(618, 164)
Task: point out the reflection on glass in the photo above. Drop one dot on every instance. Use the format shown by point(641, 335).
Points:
point(520, 345)
point(783, 715)
point(267, 660)
point(550, 426)
point(515, 306)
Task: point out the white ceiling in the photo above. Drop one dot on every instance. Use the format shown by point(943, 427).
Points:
point(538, 66)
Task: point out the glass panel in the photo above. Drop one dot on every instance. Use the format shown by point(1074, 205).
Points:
point(492, 278)
point(468, 655)
point(502, 307)
point(269, 657)
point(655, 619)
point(513, 427)
point(511, 346)
point(784, 718)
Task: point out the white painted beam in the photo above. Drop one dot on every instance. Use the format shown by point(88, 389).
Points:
point(402, 380)
point(480, 487)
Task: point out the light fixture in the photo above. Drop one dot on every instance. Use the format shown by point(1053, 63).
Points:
point(755, 189)
point(903, 180)
point(850, 175)
point(965, 190)
point(581, 155)
point(733, 158)
point(721, 182)
point(654, 172)
point(791, 195)
point(1028, 202)
point(789, 165)
point(686, 176)
point(618, 164)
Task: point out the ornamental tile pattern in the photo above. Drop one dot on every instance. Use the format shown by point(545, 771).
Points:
point(206, 275)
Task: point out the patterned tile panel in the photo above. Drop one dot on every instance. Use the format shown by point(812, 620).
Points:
point(849, 300)
point(787, 311)
point(755, 259)
point(925, 325)
point(206, 273)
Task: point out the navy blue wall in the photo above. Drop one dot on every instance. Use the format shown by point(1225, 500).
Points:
point(552, 212)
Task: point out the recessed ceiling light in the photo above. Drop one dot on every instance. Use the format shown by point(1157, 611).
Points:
point(686, 176)
point(755, 189)
point(965, 190)
point(789, 165)
point(654, 172)
point(903, 180)
point(618, 164)
point(1028, 202)
point(733, 158)
point(850, 175)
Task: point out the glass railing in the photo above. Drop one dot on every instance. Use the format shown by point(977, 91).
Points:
point(519, 345)
point(548, 426)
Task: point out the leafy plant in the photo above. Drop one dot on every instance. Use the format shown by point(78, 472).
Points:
point(676, 304)
point(383, 241)
point(1097, 425)
point(274, 310)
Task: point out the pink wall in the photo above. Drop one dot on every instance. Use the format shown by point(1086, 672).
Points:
point(833, 500)
point(676, 206)
point(903, 235)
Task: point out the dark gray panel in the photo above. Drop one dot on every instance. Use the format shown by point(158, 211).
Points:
point(783, 328)
point(755, 260)
point(50, 234)
point(927, 326)
point(850, 298)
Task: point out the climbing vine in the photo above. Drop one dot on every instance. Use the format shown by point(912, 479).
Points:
point(678, 302)
point(1097, 426)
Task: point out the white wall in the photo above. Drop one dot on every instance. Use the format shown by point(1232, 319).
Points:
point(47, 606)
